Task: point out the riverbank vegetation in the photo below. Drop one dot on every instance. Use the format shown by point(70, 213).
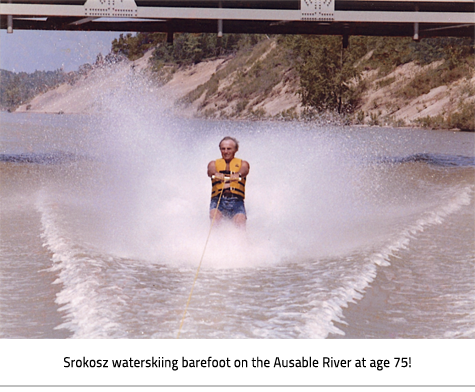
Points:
point(373, 81)
point(17, 88)
point(326, 77)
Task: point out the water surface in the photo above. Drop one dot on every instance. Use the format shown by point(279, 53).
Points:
point(351, 232)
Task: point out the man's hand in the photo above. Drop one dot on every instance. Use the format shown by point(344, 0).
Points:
point(219, 176)
point(235, 177)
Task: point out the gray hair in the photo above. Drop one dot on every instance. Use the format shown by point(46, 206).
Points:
point(230, 138)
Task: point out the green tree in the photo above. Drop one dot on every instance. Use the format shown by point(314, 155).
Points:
point(327, 72)
point(454, 50)
point(135, 46)
point(192, 48)
point(19, 88)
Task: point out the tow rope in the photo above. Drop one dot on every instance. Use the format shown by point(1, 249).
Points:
point(199, 265)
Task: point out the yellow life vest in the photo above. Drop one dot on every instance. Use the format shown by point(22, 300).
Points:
point(236, 187)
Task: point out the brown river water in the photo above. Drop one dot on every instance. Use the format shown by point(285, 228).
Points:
point(351, 232)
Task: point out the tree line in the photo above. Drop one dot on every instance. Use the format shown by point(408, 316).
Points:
point(328, 73)
point(17, 88)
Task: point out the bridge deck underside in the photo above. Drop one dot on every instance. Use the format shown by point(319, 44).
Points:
point(288, 21)
point(249, 27)
point(340, 5)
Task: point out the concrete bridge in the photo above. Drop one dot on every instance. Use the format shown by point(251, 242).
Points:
point(417, 19)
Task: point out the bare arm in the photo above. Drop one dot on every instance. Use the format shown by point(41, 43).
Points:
point(211, 168)
point(245, 167)
point(242, 173)
point(212, 171)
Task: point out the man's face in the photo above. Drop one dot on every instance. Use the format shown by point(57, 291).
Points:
point(228, 149)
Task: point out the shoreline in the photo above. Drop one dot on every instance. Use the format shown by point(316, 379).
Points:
point(213, 89)
point(297, 120)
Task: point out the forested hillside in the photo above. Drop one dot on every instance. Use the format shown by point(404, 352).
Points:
point(329, 78)
point(374, 81)
point(18, 88)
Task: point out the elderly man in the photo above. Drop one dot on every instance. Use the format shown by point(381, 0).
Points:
point(228, 179)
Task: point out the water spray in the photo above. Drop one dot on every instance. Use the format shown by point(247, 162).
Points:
point(202, 255)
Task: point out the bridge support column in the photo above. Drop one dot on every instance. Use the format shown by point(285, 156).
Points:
point(220, 31)
point(9, 21)
point(219, 41)
point(220, 28)
point(416, 31)
point(9, 24)
point(170, 37)
point(416, 28)
point(345, 41)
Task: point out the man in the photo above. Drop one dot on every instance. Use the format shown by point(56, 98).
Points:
point(228, 177)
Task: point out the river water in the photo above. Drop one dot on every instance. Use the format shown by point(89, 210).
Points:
point(351, 232)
